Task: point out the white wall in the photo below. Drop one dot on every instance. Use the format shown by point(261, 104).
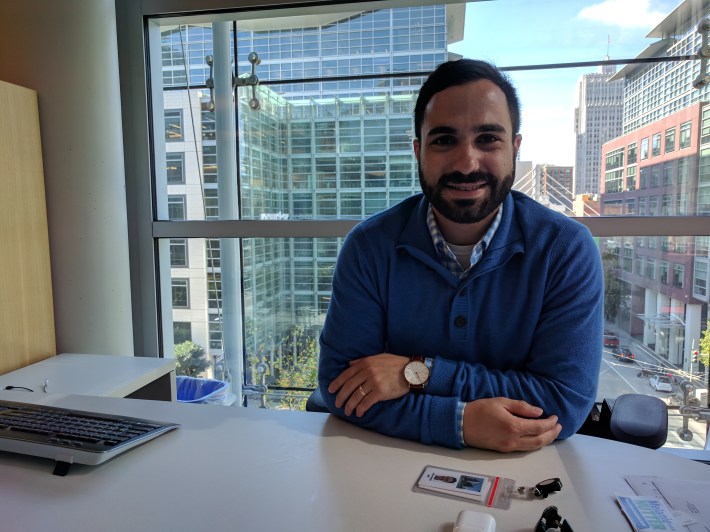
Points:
point(66, 50)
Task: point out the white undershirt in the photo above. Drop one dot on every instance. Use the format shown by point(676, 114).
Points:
point(463, 254)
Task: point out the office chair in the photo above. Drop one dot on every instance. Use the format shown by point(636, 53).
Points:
point(630, 418)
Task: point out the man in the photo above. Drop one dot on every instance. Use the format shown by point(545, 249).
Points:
point(470, 315)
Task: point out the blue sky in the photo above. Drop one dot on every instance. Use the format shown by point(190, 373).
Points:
point(531, 32)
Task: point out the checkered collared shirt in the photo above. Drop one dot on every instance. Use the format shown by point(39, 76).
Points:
point(449, 260)
point(447, 256)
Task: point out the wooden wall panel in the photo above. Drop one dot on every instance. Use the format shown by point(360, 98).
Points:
point(26, 312)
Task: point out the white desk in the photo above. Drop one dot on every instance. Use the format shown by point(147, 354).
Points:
point(102, 375)
point(252, 470)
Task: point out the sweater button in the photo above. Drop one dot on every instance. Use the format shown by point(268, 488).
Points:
point(459, 321)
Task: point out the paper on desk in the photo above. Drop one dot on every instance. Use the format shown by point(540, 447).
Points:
point(647, 514)
point(687, 496)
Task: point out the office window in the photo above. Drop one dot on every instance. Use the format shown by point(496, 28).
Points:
point(209, 164)
point(632, 155)
point(655, 178)
point(670, 140)
point(214, 290)
point(705, 126)
point(215, 328)
point(650, 268)
point(644, 148)
point(628, 264)
point(208, 123)
point(666, 205)
point(175, 168)
point(685, 135)
point(182, 331)
point(700, 278)
point(631, 178)
point(400, 134)
point(173, 125)
point(682, 172)
point(181, 293)
point(176, 207)
point(678, 275)
point(656, 145)
point(211, 203)
point(663, 272)
point(212, 253)
point(642, 206)
point(178, 252)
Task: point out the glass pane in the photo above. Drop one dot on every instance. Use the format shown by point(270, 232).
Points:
point(654, 326)
point(286, 290)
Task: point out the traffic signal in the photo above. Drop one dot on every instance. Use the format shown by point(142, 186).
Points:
point(695, 356)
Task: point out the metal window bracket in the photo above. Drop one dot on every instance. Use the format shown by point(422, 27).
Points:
point(703, 78)
point(251, 80)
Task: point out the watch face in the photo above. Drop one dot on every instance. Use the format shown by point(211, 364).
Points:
point(416, 373)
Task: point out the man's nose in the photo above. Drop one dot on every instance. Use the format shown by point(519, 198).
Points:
point(467, 158)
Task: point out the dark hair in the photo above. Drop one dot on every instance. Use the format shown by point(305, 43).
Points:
point(460, 72)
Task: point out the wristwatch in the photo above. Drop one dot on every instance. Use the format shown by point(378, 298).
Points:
point(416, 373)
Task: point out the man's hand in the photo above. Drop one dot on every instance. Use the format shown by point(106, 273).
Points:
point(507, 425)
point(369, 380)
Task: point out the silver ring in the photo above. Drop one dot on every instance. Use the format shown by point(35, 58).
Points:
point(362, 391)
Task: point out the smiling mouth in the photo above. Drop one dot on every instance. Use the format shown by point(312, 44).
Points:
point(467, 187)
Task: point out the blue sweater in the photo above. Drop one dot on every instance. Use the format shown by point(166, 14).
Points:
point(525, 324)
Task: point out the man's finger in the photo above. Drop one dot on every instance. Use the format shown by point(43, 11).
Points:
point(341, 379)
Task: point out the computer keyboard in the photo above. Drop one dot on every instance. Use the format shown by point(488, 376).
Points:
point(72, 436)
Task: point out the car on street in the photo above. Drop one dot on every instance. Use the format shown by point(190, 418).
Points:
point(610, 341)
point(624, 354)
point(660, 383)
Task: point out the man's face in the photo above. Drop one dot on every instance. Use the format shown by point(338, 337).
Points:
point(467, 152)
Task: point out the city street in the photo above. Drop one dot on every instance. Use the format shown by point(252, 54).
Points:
point(618, 377)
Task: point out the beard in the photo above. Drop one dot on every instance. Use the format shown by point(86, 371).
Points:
point(467, 211)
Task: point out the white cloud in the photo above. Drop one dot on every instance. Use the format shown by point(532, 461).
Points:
point(624, 13)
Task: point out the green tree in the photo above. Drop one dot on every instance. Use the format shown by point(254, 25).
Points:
point(612, 286)
point(190, 359)
point(295, 365)
point(298, 367)
point(704, 345)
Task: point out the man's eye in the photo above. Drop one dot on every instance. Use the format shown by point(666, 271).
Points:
point(444, 140)
point(488, 139)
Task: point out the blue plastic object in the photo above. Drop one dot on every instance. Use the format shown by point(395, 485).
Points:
point(198, 390)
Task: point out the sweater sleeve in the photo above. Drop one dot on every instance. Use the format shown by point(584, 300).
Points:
point(356, 326)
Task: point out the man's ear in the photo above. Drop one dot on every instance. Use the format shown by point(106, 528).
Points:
point(416, 145)
point(516, 143)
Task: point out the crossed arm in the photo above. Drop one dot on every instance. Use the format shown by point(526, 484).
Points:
point(512, 425)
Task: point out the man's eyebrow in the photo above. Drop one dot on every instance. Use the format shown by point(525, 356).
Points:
point(441, 130)
point(482, 128)
point(493, 127)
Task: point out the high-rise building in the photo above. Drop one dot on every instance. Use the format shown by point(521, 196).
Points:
point(597, 119)
point(658, 167)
